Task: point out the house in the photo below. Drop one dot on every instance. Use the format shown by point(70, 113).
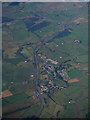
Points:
point(71, 101)
point(32, 76)
point(25, 61)
point(44, 89)
point(60, 56)
point(76, 41)
point(52, 61)
point(64, 74)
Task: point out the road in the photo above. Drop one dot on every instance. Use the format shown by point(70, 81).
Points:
point(42, 42)
point(36, 82)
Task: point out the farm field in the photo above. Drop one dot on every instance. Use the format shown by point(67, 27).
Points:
point(45, 60)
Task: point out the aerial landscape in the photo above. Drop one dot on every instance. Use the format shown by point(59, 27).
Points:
point(45, 60)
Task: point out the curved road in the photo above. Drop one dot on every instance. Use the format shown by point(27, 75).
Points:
point(35, 62)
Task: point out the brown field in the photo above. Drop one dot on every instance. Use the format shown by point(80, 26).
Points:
point(78, 5)
point(85, 69)
point(77, 66)
point(73, 80)
point(80, 19)
point(6, 93)
point(38, 22)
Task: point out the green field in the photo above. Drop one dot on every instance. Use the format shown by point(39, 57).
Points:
point(44, 46)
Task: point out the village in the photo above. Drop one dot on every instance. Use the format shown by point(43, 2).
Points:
point(51, 67)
